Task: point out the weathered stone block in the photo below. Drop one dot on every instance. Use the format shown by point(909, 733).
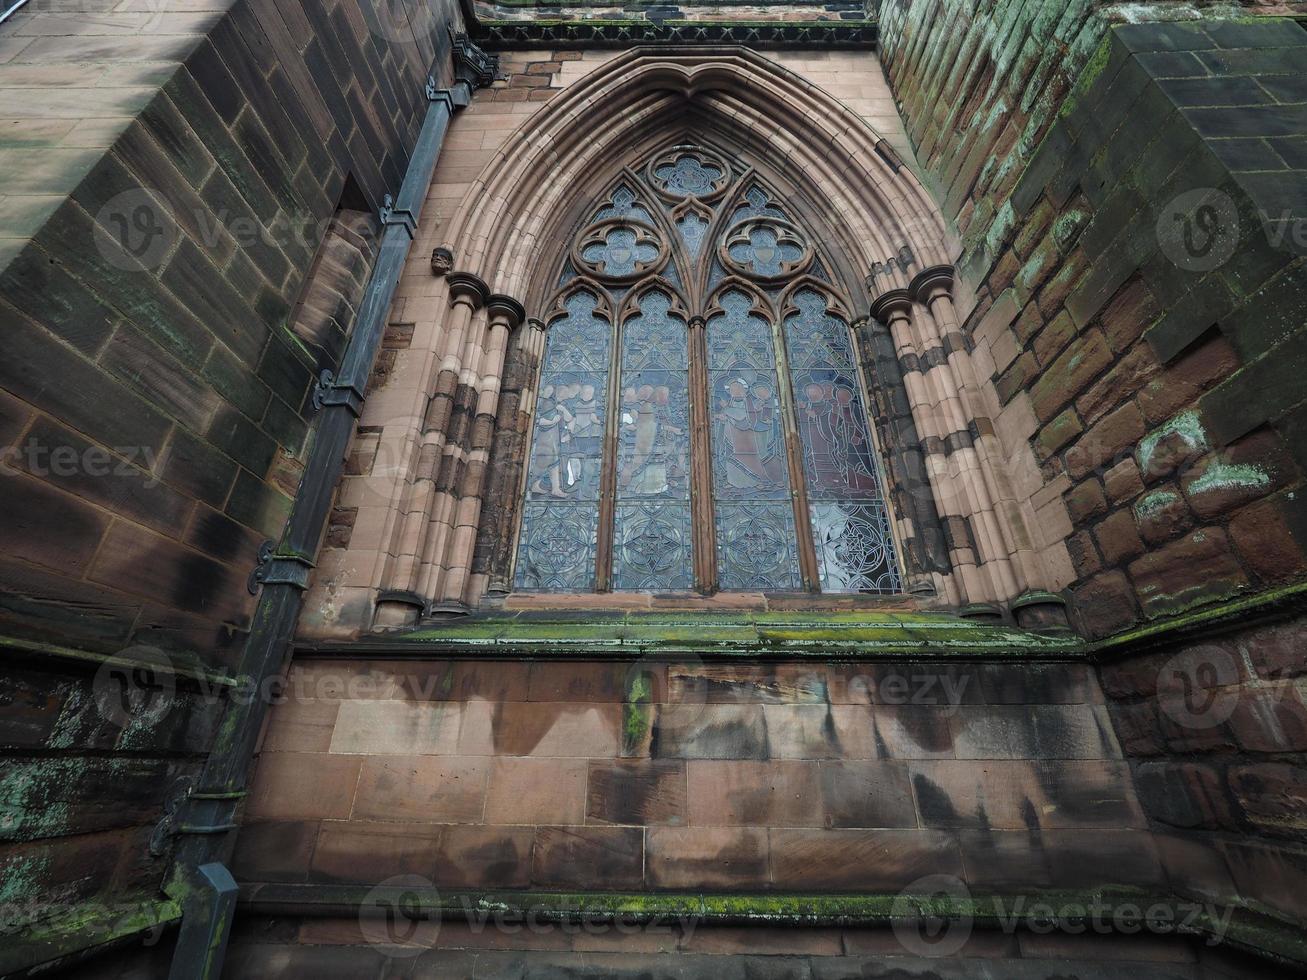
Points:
point(1195, 569)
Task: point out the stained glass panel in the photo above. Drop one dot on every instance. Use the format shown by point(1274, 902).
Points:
point(756, 547)
point(561, 517)
point(653, 452)
point(765, 253)
point(557, 550)
point(621, 252)
point(580, 340)
point(567, 447)
point(855, 552)
point(757, 204)
point(693, 228)
point(652, 546)
point(688, 175)
point(850, 527)
point(623, 205)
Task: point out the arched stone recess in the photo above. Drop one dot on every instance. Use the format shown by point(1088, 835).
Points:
point(968, 537)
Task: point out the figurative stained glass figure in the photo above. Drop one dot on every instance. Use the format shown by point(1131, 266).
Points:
point(748, 431)
point(585, 435)
point(552, 420)
point(651, 461)
point(838, 455)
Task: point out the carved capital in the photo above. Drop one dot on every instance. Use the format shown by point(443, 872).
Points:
point(535, 323)
point(442, 260)
point(507, 307)
point(929, 283)
point(467, 287)
point(891, 302)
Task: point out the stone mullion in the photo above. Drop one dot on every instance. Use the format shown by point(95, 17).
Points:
point(702, 519)
point(505, 314)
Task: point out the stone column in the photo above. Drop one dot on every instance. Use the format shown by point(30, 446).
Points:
point(894, 309)
point(492, 564)
point(446, 573)
point(965, 423)
point(401, 602)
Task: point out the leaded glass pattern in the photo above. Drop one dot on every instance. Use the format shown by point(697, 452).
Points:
point(557, 549)
point(693, 229)
point(688, 175)
point(850, 525)
point(623, 204)
point(619, 431)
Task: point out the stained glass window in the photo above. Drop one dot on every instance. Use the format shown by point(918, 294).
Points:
point(760, 476)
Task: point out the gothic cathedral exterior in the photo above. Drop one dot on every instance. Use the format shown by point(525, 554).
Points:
point(806, 489)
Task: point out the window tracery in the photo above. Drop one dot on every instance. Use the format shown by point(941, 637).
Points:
point(700, 420)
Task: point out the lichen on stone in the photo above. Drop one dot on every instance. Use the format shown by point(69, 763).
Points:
point(1187, 425)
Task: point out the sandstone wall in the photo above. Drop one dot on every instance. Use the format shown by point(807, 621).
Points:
point(1154, 373)
point(187, 227)
point(802, 778)
point(1215, 729)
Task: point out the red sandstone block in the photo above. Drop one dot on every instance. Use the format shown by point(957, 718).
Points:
point(304, 785)
point(417, 788)
point(1270, 718)
point(606, 682)
point(483, 857)
point(1270, 874)
point(1278, 650)
point(1196, 568)
point(1073, 859)
point(372, 852)
point(636, 792)
point(298, 725)
point(582, 857)
point(754, 794)
point(544, 729)
point(277, 850)
point(1013, 795)
point(1273, 796)
point(706, 857)
point(536, 791)
point(1195, 866)
point(875, 860)
point(1262, 536)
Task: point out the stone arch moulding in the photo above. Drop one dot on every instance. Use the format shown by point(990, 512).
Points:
point(514, 224)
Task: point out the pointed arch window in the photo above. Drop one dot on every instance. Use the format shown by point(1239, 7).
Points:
point(700, 421)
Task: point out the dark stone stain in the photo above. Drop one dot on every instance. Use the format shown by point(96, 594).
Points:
point(936, 806)
point(198, 581)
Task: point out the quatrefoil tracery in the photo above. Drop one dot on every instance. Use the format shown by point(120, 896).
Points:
point(685, 171)
point(765, 249)
point(620, 250)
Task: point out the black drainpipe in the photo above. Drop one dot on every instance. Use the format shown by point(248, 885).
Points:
point(205, 823)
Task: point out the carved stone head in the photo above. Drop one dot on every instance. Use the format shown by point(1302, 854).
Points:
point(442, 260)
